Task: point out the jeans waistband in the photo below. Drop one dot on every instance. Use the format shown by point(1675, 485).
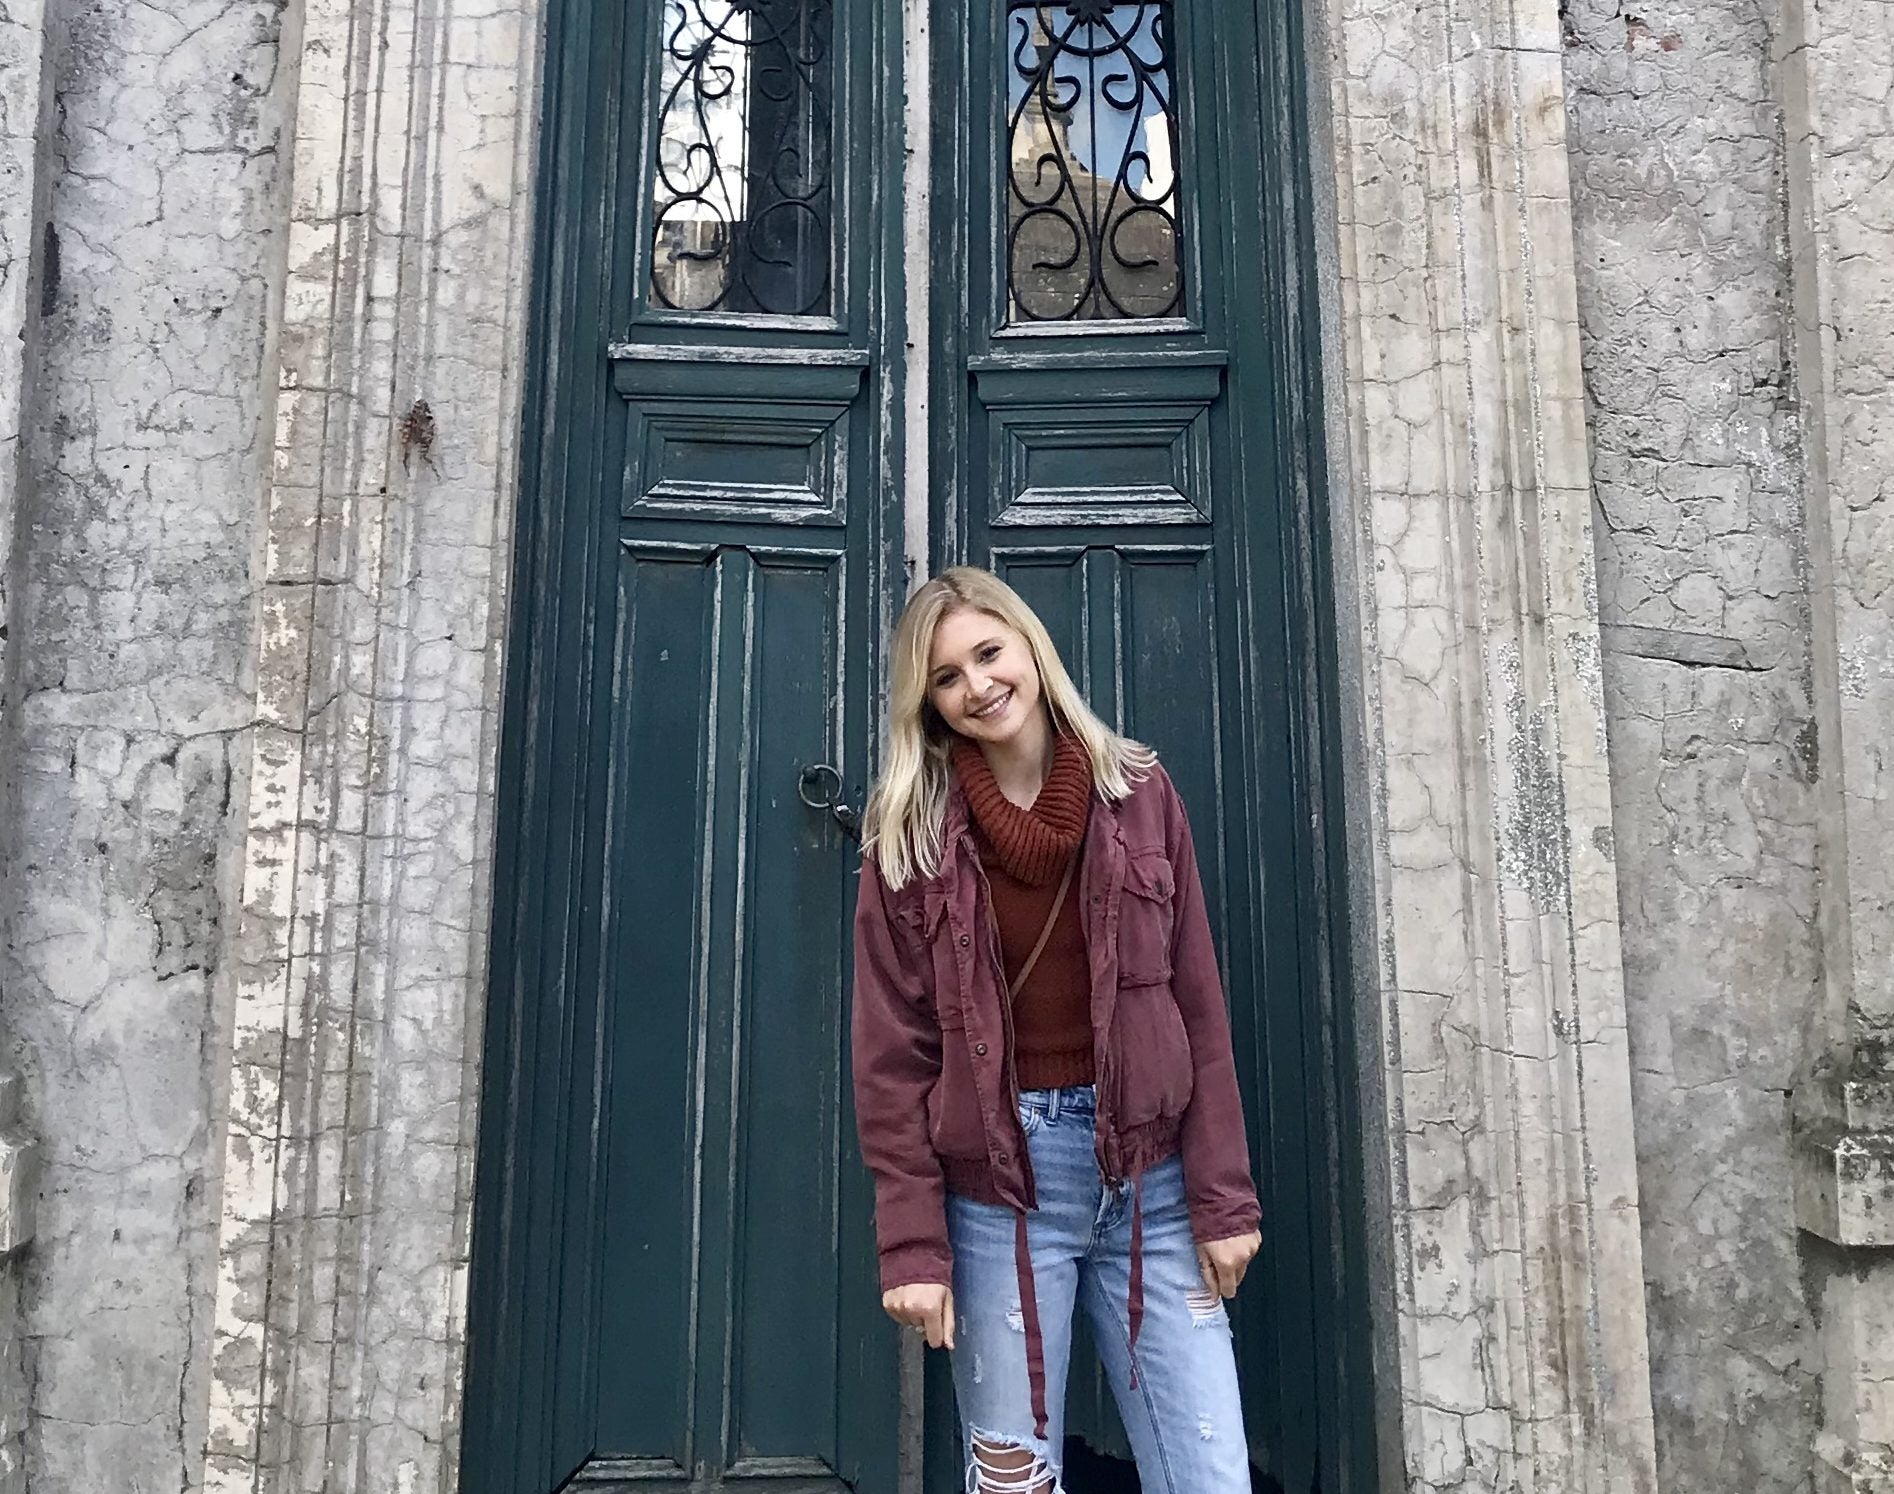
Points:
point(1052, 1103)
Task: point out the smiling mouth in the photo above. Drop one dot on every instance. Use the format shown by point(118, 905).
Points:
point(993, 707)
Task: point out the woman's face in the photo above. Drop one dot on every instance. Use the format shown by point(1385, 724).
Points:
point(981, 677)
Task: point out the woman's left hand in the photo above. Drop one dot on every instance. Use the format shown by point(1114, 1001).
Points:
point(1223, 1262)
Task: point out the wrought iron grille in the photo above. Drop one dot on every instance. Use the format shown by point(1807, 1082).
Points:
point(742, 208)
point(1092, 165)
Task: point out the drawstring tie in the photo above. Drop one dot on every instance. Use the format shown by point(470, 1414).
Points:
point(1029, 1315)
point(1134, 1309)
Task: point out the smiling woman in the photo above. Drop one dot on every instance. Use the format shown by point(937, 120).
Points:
point(1116, 1174)
point(983, 683)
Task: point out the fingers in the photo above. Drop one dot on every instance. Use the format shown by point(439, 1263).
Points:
point(1225, 1262)
point(1229, 1276)
point(940, 1322)
point(927, 1309)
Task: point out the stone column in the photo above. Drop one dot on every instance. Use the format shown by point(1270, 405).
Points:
point(1459, 449)
point(25, 110)
point(347, 1174)
point(1836, 62)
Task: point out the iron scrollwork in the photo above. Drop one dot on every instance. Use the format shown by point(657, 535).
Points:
point(741, 194)
point(1092, 164)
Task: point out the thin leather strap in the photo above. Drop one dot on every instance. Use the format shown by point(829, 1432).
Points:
point(1058, 902)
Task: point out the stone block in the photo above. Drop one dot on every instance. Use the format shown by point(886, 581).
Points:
point(19, 1173)
point(1844, 1161)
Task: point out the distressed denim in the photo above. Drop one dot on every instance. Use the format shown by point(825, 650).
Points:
point(1183, 1416)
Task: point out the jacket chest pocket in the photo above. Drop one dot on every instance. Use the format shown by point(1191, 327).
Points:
point(954, 1124)
point(1147, 916)
point(937, 931)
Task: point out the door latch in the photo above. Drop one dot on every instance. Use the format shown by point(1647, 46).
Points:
point(820, 787)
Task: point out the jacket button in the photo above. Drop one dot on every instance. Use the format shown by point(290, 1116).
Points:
point(964, 941)
point(1003, 1158)
point(980, 1049)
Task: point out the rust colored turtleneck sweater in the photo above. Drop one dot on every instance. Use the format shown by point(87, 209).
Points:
point(1024, 852)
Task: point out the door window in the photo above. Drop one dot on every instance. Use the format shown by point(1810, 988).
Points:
point(1092, 162)
point(741, 204)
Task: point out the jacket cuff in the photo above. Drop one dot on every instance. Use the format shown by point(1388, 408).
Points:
point(1224, 1221)
point(912, 1265)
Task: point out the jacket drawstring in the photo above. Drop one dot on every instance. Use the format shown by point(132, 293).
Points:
point(1134, 1309)
point(1029, 1314)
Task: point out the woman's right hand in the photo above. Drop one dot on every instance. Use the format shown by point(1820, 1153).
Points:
point(927, 1307)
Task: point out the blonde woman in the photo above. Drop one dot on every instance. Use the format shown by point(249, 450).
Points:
point(1044, 1081)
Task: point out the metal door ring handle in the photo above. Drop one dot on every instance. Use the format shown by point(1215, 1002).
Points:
point(822, 779)
point(820, 787)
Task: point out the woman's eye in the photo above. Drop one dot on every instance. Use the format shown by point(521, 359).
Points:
point(989, 653)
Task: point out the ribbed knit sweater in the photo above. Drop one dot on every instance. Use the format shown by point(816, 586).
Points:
point(1024, 853)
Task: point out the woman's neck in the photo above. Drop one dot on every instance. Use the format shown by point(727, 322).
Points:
point(1020, 765)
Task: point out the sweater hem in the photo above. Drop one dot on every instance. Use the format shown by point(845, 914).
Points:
point(1057, 1070)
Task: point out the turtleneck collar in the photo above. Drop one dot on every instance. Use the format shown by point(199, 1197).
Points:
point(1032, 844)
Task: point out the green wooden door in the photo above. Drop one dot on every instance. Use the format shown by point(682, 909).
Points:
point(1117, 386)
point(1116, 373)
point(673, 1280)
point(673, 1251)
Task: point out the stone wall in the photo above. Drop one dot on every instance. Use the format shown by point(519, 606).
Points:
point(25, 106)
point(125, 744)
point(157, 982)
point(1680, 206)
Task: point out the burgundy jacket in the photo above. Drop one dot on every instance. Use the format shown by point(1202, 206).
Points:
point(935, 1100)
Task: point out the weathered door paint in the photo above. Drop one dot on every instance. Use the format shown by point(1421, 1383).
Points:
point(673, 1278)
point(1119, 433)
point(673, 1257)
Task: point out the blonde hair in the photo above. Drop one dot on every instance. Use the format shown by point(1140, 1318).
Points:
point(903, 826)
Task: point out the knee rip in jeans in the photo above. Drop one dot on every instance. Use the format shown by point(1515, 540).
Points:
point(1000, 1466)
point(1206, 1307)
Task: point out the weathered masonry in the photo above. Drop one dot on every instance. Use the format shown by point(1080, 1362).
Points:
point(458, 464)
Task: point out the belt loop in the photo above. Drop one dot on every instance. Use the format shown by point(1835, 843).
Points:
point(1052, 1105)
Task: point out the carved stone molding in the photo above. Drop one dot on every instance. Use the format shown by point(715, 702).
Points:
point(1519, 1298)
point(348, 1165)
point(1833, 64)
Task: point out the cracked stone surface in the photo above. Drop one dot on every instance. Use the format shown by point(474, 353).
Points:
point(262, 901)
point(125, 746)
point(339, 1321)
point(25, 103)
point(1680, 213)
point(1519, 1286)
point(1836, 62)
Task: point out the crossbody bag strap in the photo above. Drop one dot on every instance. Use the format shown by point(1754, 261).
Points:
point(1058, 901)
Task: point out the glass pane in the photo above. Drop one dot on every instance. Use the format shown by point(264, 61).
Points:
point(741, 195)
point(1092, 162)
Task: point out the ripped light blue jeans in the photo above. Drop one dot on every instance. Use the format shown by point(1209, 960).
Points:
point(1183, 1416)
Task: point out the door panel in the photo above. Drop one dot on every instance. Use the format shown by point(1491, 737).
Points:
point(1079, 441)
point(725, 1153)
point(1110, 443)
point(674, 1283)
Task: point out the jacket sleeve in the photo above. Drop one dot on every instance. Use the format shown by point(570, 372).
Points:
point(1221, 1190)
point(896, 1043)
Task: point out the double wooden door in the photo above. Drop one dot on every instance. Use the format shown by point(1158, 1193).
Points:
point(830, 292)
